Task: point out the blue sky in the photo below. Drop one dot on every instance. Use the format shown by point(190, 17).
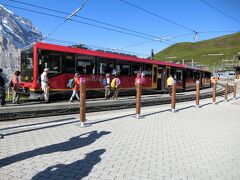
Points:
point(194, 14)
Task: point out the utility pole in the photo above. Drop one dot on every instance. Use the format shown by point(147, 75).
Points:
point(152, 54)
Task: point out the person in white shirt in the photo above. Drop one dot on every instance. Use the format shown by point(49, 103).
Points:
point(45, 84)
point(107, 86)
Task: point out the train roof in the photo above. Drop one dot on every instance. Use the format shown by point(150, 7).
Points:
point(98, 53)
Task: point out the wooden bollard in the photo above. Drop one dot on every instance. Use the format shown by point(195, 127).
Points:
point(226, 91)
point(173, 104)
point(138, 98)
point(235, 89)
point(197, 93)
point(214, 93)
point(82, 100)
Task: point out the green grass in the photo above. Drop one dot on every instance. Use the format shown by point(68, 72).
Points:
point(228, 45)
point(10, 97)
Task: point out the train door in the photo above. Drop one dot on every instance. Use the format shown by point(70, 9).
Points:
point(161, 78)
point(154, 75)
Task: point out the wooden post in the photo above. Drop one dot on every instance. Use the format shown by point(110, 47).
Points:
point(235, 89)
point(214, 93)
point(173, 96)
point(82, 100)
point(226, 91)
point(197, 93)
point(138, 98)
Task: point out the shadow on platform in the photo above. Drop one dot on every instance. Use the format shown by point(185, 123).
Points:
point(218, 102)
point(150, 114)
point(71, 144)
point(37, 128)
point(111, 119)
point(183, 108)
point(35, 124)
point(76, 170)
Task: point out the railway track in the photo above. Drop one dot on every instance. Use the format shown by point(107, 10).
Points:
point(95, 106)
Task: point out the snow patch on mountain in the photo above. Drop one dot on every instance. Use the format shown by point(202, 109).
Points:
point(16, 32)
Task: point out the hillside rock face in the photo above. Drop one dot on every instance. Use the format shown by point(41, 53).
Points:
point(16, 32)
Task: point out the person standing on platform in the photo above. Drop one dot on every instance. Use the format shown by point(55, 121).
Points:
point(138, 79)
point(75, 87)
point(15, 82)
point(2, 89)
point(106, 84)
point(169, 84)
point(45, 85)
point(115, 85)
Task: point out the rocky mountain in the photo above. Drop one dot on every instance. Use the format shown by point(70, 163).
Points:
point(16, 32)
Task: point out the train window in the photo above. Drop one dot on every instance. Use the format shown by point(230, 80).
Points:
point(85, 64)
point(203, 74)
point(50, 60)
point(122, 67)
point(27, 65)
point(195, 75)
point(136, 68)
point(147, 69)
point(190, 74)
point(54, 63)
point(173, 73)
point(179, 75)
point(68, 63)
point(208, 75)
point(106, 66)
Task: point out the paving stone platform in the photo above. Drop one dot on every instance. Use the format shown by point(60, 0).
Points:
point(192, 143)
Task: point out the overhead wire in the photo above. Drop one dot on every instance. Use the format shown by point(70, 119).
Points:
point(196, 33)
point(93, 47)
point(81, 22)
point(106, 28)
point(68, 18)
point(153, 38)
point(115, 26)
point(220, 11)
point(157, 40)
point(135, 44)
point(89, 19)
point(156, 15)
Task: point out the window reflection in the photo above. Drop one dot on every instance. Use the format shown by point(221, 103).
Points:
point(85, 64)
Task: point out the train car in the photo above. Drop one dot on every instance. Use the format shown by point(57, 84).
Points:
point(64, 61)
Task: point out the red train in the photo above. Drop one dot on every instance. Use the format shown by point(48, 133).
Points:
point(64, 61)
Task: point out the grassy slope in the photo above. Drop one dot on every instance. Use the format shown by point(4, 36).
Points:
point(229, 45)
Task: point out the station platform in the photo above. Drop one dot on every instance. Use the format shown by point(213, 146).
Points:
point(33, 109)
point(192, 143)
